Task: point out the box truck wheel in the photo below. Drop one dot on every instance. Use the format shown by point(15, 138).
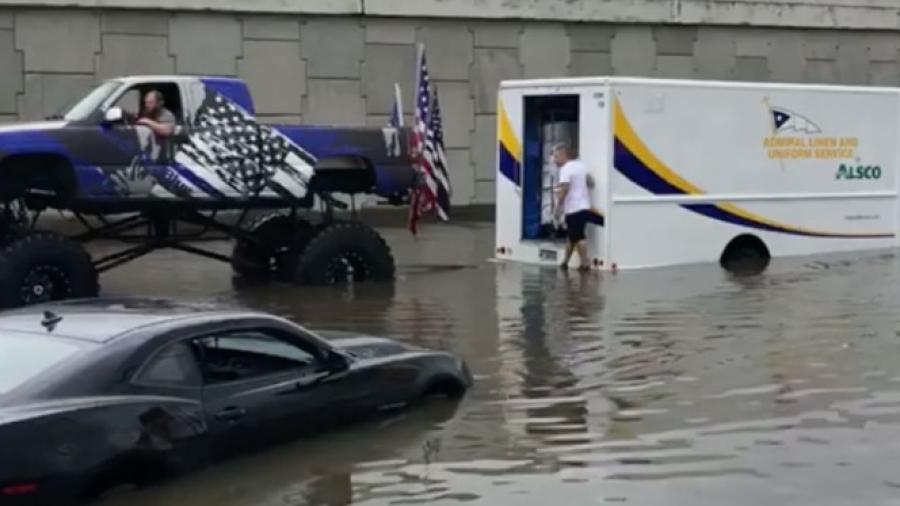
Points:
point(745, 254)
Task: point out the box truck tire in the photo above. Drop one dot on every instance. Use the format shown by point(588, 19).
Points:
point(745, 254)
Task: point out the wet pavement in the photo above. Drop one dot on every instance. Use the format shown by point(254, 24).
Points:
point(667, 387)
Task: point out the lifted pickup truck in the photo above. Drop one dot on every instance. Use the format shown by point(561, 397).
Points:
point(95, 162)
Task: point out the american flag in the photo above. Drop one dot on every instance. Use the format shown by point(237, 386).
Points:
point(432, 194)
point(440, 154)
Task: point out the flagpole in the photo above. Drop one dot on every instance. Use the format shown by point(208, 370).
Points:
point(420, 50)
point(398, 97)
point(414, 211)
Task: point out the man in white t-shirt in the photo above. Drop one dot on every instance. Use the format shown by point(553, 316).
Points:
point(575, 186)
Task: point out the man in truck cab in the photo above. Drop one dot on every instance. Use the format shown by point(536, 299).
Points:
point(155, 115)
point(153, 126)
point(159, 120)
point(575, 185)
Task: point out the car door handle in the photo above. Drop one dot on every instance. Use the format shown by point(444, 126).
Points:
point(309, 381)
point(231, 414)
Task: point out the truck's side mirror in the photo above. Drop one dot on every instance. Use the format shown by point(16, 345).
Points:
point(113, 115)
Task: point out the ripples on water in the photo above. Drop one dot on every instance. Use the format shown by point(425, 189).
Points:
point(674, 386)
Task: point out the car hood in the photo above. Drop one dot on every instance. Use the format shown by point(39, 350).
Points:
point(363, 346)
point(374, 350)
point(24, 137)
point(34, 126)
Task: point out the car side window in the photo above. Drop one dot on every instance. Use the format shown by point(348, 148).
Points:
point(248, 354)
point(175, 365)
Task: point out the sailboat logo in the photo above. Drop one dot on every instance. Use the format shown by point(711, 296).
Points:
point(784, 120)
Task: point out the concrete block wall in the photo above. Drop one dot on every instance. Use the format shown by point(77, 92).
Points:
point(312, 68)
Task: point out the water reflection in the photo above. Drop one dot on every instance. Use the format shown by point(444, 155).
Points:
point(313, 471)
point(652, 387)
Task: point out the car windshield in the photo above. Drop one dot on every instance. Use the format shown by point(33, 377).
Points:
point(90, 103)
point(23, 357)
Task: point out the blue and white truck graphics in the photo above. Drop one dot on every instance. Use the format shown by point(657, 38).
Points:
point(220, 151)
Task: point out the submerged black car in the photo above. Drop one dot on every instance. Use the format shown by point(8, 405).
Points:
point(96, 394)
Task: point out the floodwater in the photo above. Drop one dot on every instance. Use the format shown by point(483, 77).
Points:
point(667, 387)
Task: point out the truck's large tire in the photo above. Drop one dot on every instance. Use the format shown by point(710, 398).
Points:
point(11, 234)
point(279, 240)
point(11, 229)
point(343, 252)
point(45, 266)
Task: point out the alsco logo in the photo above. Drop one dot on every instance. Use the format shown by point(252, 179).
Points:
point(846, 171)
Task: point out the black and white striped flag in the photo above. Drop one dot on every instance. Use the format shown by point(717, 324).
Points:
point(244, 154)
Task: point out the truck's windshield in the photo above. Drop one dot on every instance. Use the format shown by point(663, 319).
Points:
point(87, 105)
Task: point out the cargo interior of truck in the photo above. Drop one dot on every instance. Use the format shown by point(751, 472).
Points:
point(549, 120)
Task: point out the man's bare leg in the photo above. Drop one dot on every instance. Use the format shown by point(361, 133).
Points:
point(570, 249)
point(583, 255)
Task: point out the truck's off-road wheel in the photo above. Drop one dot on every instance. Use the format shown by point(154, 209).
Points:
point(11, 234)
point(279, 241)
point(344, 252)
point(45, 266)
point(12, 229)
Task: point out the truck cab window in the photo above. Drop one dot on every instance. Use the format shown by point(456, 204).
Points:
point(132, 100)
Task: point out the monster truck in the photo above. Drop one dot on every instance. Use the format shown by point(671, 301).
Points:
point(124, 182)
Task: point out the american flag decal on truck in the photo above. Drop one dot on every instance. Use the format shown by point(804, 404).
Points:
point(229, 144)
point(226, 153)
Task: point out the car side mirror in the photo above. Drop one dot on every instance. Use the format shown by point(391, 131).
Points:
point(114, 115)
point(336, 362)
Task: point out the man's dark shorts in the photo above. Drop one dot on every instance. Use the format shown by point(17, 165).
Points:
point(576, 223)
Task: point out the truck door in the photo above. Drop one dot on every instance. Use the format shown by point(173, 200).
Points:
point(149, 167)
point(574, 116)
point(121, 152)
point(225, 147)
point(241, 157)
point(549, 120)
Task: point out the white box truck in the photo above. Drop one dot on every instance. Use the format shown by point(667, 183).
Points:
point(699, 171)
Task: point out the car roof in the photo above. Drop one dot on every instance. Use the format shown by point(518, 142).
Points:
point(102, 320)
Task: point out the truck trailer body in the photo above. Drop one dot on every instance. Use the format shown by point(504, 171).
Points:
point(700, 171)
